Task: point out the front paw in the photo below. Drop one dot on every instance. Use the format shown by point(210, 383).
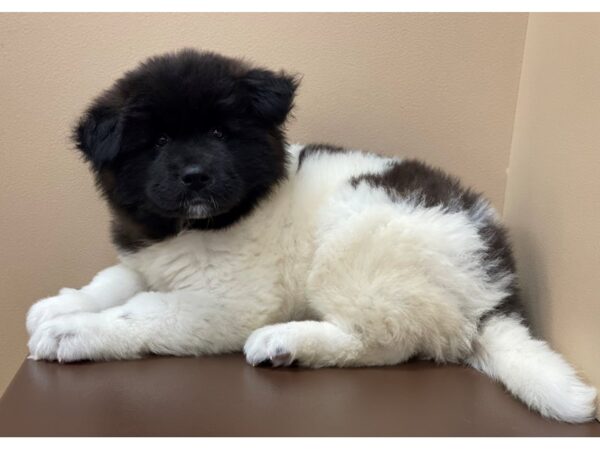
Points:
point(274, 345)
point(68, 301)
point(74, 337)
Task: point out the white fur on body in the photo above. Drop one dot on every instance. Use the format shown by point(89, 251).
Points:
point(323, 273)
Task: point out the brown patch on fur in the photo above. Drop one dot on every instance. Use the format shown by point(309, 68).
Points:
point(312, 149)
point(430, 186)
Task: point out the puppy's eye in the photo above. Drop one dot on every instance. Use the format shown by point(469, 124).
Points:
point(162, 140)
point(216, 133)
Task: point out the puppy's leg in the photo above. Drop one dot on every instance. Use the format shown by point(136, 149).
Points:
point(110, 287)
point(175, 323)
point(310, 343)
point(379, 281)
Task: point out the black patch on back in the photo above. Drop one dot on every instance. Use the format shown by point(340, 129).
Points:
point(431, 187)
point(312, 149)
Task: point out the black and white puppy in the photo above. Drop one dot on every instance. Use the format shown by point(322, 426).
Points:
point(231, 239)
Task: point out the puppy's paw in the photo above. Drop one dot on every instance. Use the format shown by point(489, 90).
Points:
point(274, 344)
point(68, 301)
point(74, 337)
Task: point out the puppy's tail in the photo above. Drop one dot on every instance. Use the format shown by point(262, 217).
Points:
point(540, 377)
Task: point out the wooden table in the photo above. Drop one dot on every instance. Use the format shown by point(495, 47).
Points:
point(223, 396)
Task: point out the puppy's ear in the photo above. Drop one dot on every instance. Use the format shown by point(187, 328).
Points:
point(99, 131)
point(270, 95)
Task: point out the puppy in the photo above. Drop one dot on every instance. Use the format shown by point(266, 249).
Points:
point(231, 239)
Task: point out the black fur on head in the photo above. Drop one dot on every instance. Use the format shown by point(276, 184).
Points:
point(190, 138)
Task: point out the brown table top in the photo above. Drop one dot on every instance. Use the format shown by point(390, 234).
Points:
point(223, 396)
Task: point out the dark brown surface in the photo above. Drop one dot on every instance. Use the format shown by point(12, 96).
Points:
point(223, 396)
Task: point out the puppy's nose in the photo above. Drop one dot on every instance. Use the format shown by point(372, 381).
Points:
point(194, 176)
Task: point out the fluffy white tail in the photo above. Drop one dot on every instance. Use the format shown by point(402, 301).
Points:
point(532, 371)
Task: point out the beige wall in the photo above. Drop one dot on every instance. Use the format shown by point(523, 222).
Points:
point(553, 191)
point(439, 86)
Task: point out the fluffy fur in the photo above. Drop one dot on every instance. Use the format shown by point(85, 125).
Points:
point(230, 239)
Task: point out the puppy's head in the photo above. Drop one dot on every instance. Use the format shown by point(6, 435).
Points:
point(188, 135)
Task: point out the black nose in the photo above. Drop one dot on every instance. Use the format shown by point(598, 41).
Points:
point(194, 176)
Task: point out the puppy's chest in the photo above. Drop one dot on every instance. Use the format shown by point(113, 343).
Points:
point(220, 266)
